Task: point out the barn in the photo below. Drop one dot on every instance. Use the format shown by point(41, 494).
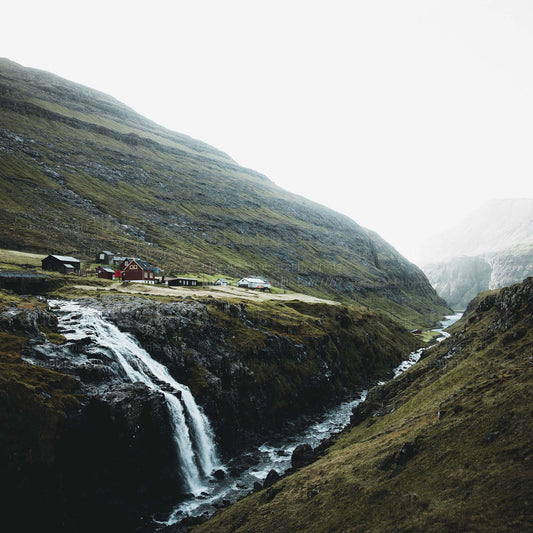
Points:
point(61, 263)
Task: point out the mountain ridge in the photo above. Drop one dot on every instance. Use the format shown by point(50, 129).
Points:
point(111, 179)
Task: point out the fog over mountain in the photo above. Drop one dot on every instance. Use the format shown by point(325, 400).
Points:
point(491, 248)
point(495, 226)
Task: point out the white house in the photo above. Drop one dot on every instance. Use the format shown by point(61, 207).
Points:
point(253, 282)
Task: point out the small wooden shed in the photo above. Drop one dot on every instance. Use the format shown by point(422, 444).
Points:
point(105, 257)
point(105, 272)
point(182, 282)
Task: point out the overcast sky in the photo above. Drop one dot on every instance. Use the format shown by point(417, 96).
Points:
point(404, 115)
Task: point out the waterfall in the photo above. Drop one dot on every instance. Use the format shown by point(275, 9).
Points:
point(192, 432)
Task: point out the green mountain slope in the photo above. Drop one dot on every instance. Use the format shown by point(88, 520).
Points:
point(80, 172)
point(445, 447)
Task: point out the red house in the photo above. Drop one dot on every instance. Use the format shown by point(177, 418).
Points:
point(137, 270)
point(105, 272)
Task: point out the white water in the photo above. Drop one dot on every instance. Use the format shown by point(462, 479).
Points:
point(277, 456)
point(192, 432)
point(414, 357)
point(271, 455)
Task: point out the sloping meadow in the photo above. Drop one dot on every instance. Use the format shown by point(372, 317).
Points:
point(444, 447)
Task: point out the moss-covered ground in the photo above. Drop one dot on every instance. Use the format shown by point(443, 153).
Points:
point(448, 448)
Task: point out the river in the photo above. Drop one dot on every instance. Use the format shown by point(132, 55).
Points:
point(276, 455)
point(194, 440)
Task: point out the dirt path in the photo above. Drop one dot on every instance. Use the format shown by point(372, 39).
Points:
point(215, 291)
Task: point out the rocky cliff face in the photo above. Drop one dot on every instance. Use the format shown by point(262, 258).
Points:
point(490, 249)
point(78, 448)
point(461, 279)
point(101, 448)
point(111, 179)
point(256, 371)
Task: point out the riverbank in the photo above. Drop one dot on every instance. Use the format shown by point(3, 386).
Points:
point(274, 459)
point(444, 447)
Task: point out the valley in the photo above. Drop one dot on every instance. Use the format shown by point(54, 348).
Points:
point(129, 404)
point(80, 172)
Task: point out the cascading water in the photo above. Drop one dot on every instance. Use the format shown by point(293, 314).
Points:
point(192, 432)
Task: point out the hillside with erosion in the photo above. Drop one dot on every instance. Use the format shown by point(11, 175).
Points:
point(80, 172)
point(490, 249)
point(444, 447)
point(87, 442)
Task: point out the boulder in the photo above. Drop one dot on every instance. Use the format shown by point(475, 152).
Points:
point(272, 477)
point(302, 455)
point(219, 474)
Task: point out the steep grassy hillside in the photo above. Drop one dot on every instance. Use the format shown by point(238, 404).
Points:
point(445, 447)
point(80, 172)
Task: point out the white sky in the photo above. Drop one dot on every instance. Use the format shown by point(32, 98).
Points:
point(404, 115)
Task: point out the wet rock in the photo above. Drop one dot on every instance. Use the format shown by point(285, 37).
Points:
point(257, 486)
point(94, 372)
point(219, 474)
point(272, 477)
point(302, 455)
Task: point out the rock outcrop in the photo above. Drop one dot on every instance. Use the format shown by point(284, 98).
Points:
point(254, 370)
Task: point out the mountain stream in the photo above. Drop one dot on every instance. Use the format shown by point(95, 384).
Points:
point(194, 439)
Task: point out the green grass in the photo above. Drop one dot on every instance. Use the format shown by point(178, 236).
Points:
point(468, 420)
point(180, 204)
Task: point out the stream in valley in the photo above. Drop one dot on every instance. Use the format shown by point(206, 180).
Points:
point(276, 455)
point(211, 485)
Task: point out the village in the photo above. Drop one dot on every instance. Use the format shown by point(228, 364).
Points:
point(135, 270)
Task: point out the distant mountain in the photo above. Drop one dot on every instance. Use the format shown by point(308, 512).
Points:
point(81, 172)
point(492, 248)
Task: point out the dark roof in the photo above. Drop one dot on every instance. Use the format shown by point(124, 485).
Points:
point(145, 265)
